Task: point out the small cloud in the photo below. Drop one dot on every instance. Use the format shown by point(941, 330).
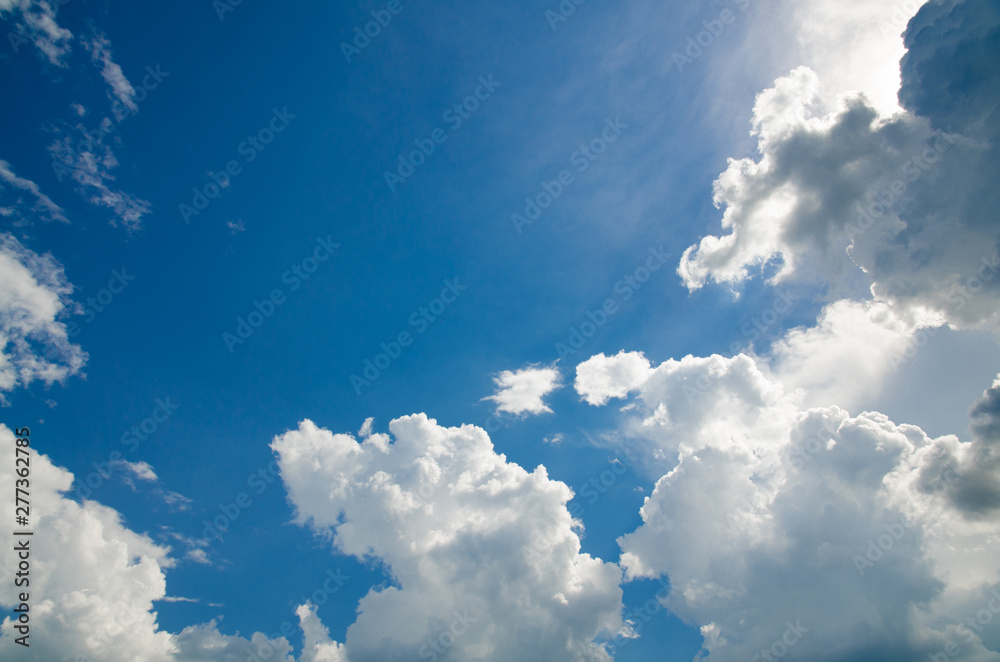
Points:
point(138, 470)
point(236, 227)
point(121, 88)
point(366, 428)
point(175, 499)
point(198, 556)
point(79, 109)
point(42, 205)
point(555, 439)
point(521, 392)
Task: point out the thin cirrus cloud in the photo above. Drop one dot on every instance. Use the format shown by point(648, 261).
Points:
point(522, 392)
point(121, 89)
point(41, 206)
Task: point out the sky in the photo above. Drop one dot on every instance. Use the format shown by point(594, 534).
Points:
point(564, 331)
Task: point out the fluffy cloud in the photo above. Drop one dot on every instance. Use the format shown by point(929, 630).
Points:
point(33, 294)
point(94, 584)
point(858, 537)
point(853, 44)
point(901, 204)
point(601, 378)
point(484, 556)
point(521, 392)
point(41, 206)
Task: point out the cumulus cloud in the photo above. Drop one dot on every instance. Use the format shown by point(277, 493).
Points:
point(34, 293)
point(94, 582)
point(521, 392)
point(36, 23)
point(867, 538)
point(853, 44)
point(901, 205)
point(601, 378)
point(484, 557)
point(41, 205)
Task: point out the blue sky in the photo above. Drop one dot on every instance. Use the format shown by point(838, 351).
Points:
point(696, 277)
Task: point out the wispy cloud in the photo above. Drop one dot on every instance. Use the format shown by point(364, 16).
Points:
point(42, 204)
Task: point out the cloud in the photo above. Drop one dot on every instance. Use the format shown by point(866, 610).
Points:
point(900, 206)
point(521, 392)
point(90, 164)
point(94, 583)
point(483, 556)
point(139, 470)
point(36, 23)
point(34, 293)
point(852, 44)
point(121, 89)
point(869, 538)
point(42, 206)
point(600, 378)
point(846, 358)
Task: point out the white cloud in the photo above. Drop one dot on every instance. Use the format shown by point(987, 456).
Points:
point(34, 293)
point(522, 392)
point(601, 378)
point(855, 201)
point(846, 358)
point(484, 556)
point(139, 470)
point(90, 163)
point(852, 44)
point(765, 507)
point(36, 23)
point(42, 205)
point(94, 584)
point(121, 88)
